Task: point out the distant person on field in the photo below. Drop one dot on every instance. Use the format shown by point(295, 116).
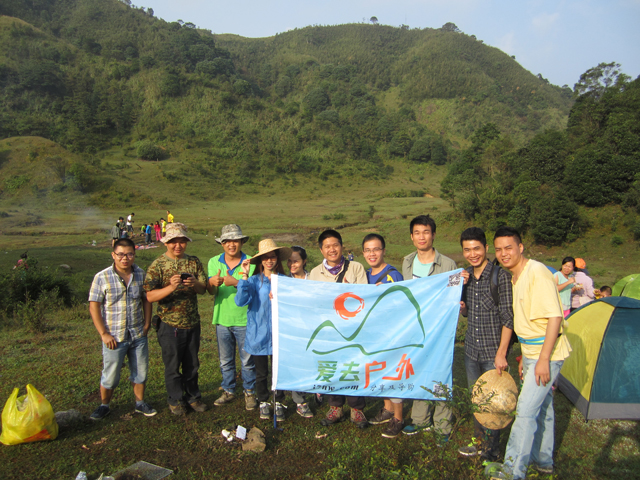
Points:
point(130, 223)
point(489, 328)
point(336, 268)
point(426, 261)
point(143, 230)
point(163, 224)
point(582, 291)
point(22, 262)
point(373, 249)
point(230, 320)
point(350, 257)
point(116, 233)
point(538, 320)
point(158, 229)
point(565, 279)
point(175, 280)
point(169, 217)
point(122, 315)
point(148, 232)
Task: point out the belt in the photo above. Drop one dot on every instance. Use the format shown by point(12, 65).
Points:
point(533, 341)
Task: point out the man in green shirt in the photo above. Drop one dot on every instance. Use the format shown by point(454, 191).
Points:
point(229, 319)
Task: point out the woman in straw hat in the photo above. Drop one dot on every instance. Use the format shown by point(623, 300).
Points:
point(254, 292)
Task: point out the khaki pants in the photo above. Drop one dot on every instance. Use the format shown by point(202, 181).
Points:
point(425, 412)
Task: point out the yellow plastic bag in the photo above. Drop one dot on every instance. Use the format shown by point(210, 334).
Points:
point(29, 418)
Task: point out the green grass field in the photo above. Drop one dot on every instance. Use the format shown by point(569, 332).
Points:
point(64, 363)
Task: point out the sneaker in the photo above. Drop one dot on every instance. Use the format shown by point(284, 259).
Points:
point(382, 417)
point(547, 470)
point(249, 400)
point(304, 411)
point(265, 411)
point(334, 415)
point(226, 397)
point(178, 409)
point(486, 455)
point(443, 440)
point(280, 412)
point(145, 409)
point(357, 417)
point(471, 450)
point(393, 429)
point(199, 406)
point(413, 429)
point(100, 412)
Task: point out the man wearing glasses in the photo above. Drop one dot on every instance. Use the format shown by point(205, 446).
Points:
point(122, 316)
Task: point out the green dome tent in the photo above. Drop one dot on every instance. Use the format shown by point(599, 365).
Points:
point(629, 286)
point(601, 375)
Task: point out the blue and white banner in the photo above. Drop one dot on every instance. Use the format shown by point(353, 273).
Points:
point(391, 340)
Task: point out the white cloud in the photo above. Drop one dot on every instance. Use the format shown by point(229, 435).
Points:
point(506, 43)
point(545, 22)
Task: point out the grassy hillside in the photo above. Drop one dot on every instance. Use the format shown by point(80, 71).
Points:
point(91, 74)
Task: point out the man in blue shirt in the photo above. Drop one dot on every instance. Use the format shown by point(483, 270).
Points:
point(373, 248)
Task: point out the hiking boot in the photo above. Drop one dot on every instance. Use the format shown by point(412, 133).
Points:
point(304, 411)
point(265, 411)
point(226, 397)
point(100, 412)
point(178, 409)
point(393, 429)
point(280, 412)
point(357, 417)
point(547, 470)
point(334, 415)
point(199, 406)
point(413, 429)
point(382, 417)
point(145, 409)
point(249, 400)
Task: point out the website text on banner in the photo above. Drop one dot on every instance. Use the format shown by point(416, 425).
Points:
point(394, 340)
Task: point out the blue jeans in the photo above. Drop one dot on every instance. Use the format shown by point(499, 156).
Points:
point(531, 438)
point(138, 353)
point(228, 337)
point(475, 369)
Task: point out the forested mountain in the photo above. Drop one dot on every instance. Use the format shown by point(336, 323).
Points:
point(93, 73)
point(539, 187)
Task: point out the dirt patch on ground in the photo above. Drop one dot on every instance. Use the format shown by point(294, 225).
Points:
point(286, 238)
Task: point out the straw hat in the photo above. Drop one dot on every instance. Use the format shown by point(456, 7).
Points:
point(496, 396)
point(232, 232)
point(175, 230)
point(267, 245)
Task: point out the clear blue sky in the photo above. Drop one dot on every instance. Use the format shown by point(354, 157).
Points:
point(557, 38)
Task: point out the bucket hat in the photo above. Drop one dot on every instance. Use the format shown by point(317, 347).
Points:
point(175, 230)
point(232, 232)
point(496, 396)
point(267, 245)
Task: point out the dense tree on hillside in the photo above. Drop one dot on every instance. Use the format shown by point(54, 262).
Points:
point(539, 186)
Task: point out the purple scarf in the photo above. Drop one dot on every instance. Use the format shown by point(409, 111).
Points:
point(334, 270)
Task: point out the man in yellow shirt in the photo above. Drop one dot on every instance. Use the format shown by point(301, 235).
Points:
point(537, 320)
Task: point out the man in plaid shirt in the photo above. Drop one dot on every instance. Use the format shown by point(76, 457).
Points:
point(122, 316)
point(489, 327)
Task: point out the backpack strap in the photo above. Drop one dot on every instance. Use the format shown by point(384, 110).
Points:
point(340, 278)
point(493, 285)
